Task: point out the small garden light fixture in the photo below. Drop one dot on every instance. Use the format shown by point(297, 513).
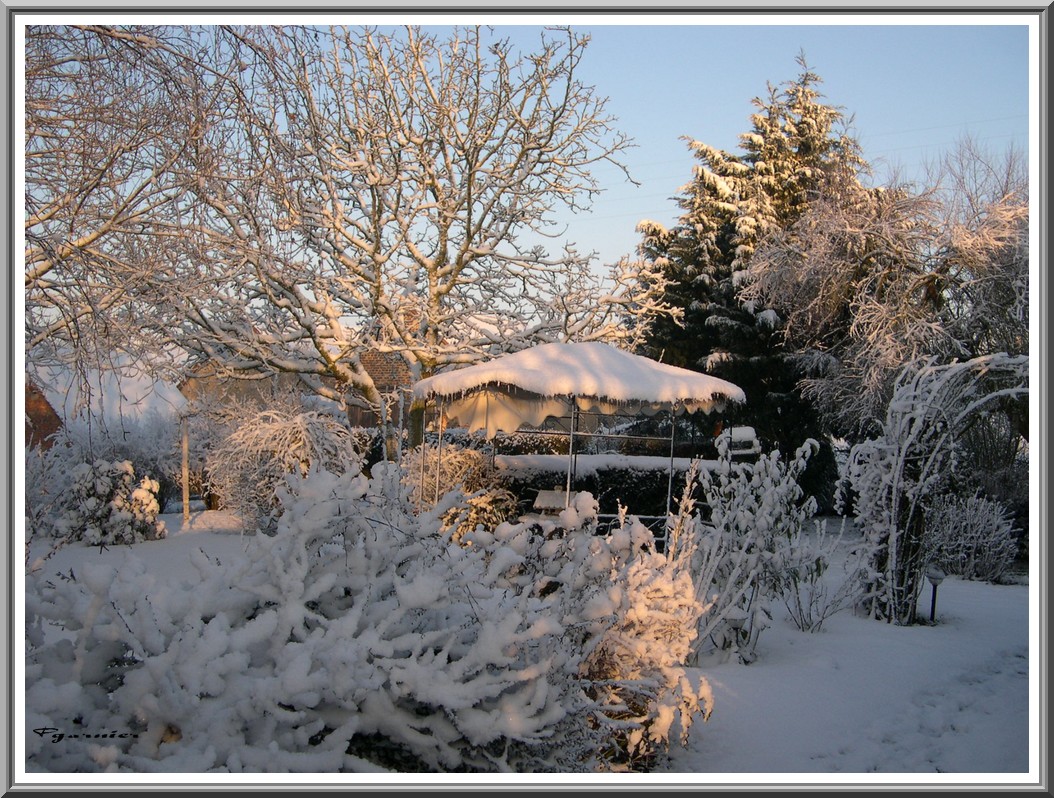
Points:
point(936, 576)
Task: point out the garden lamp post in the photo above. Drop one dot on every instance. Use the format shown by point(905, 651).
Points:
point(936, 576)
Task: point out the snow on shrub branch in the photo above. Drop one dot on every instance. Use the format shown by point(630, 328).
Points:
point(900, 473)
point(359, 636)
point(247, 467)
point(742, 526)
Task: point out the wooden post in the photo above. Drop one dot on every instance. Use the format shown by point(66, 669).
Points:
point(184, 422)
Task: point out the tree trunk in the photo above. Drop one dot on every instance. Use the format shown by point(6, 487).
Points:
point(416, 424)
point(910, 565)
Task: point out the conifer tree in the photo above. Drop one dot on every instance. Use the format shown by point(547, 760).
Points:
point(796, 144)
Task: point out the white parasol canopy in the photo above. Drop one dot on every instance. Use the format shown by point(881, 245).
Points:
point(545, 381)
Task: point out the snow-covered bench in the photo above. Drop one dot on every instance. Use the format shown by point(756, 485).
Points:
point(552, 501)
point(743, 441)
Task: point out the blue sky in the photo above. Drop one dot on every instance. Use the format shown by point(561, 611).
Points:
point(913, 90)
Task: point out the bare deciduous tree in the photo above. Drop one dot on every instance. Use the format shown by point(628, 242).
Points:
point(288, 199)
point(386, 192)
point(105, 130)
point(870, 279)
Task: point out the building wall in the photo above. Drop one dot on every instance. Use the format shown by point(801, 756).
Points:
point(41, 419)
point(388, 370)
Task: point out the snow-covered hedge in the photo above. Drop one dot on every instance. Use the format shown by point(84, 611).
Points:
point(358, 636)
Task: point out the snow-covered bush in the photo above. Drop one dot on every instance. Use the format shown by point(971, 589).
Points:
point(358, 637)
point(150, 442)
point(47, 480)
point(105, 506)
point(431, 472)
point(247, 467)
point(748, 547)
point(810, 592)
point(634, 613)
point(638, 667)
point(972, 537)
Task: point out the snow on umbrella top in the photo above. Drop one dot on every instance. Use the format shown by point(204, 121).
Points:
point(593, 371)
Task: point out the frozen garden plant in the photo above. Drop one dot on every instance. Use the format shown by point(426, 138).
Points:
point(745, 536)
point(898, 474)
point(248, 467)
point(430, 474)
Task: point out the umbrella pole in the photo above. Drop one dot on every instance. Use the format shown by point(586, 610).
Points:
point(570, 451)
point(669, 483)
point(439, 450)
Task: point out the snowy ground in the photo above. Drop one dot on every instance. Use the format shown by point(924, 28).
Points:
point(860, 702)
point(868, 698)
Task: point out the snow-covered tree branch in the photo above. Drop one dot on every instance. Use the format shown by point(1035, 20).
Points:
point(870, 279)
point(382, 189)
point(106, 128)
point(899, 474)
point(286, 199)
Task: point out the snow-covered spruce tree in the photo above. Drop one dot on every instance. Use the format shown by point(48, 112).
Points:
point(357, 637)
point(247, 467)
point(732, 203)
point(897, 475)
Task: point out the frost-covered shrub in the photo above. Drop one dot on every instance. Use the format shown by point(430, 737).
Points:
point(247, 467)
point(638, 667)
point(632, 610)
point(747, 544)
point(810, 592)
point(105, 506)
point(431, 472)
point(358, 636)
point(47, 479)
point(972, 537)
point(149, 442)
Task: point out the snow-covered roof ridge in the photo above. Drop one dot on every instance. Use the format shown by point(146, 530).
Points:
point(591, 369)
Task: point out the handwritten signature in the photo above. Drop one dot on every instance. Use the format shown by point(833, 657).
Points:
point(58, 735)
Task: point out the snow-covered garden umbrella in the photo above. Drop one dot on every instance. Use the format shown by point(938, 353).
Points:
point(564, 380)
